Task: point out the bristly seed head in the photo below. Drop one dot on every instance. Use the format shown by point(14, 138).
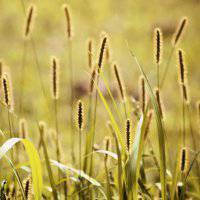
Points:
point(80, 115)
point(179, 31)
point(55, 78)
point(28, 188)
point(29, 20)
point(92, 80)
point(181, 65)
point(68, 20)
point(184, 160)
point(183, 75)
point(158, 43)
point(128, 133)
point(101, 55)
point(119, 81)
point(8, 98)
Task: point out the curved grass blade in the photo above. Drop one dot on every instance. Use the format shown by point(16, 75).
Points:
point(112, 120)
point(17, 176)
point(80, 173)
point(34, 160)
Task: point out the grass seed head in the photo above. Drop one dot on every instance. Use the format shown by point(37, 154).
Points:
point(55, 78)
point(184, 160)
point(92, 80)
point(128, 133)
point(182, 68)
point(7, 88)
point(80, 114)
point(28, 188)
point(101, 54)
point(119, 81)
point(179, 31)
point(158, 44)
point(29, 20)
point(68, 21)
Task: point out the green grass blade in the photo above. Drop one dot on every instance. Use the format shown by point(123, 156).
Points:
point(112, 119)
point(17, 176)
point(160, 132)
point(133, 164)
point(34, 161)
point(80, 173)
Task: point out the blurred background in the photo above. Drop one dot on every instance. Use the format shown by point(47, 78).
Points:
point(124, 21)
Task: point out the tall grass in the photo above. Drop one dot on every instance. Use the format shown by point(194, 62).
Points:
point(131, 162)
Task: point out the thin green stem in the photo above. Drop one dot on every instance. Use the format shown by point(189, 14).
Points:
point(167, 66)
point(71, 96)
point(22, 78)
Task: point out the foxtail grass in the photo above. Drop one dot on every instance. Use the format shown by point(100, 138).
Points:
point(121, 88)
point(177, 36)
point(128, 134)
point(69, 37)
point(158, 45)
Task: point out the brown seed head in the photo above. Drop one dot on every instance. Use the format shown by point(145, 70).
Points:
point(7, 88)
point(119, 81)
point(29, 20)
point(55, 78)
point(179, 31)
point(80, 114)
point(68, 21)
point(128, 133)
point(184, 160)
point(158, 43)
point(101, 54)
